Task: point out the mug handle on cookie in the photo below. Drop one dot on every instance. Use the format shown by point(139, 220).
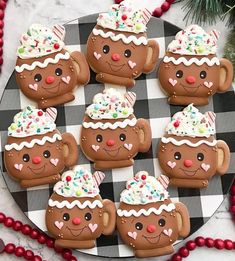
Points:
point(145, 135)
point(226, 75)
point(109, 217)
point(70, 149)
point(223, 157)
point(183, 219)
point(81, 65)
point(152, 56)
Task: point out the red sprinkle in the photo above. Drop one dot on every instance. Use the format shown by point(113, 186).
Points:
point(56, 46)
point(176, 124)
point(40, 113)
point(68, 178)
point(124, 17)
point(143, 177)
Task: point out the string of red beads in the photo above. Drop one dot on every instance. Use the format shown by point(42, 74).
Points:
point(2, 14)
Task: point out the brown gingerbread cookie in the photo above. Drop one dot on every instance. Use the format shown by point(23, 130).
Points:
point(189, 153)
point(111, 136)
point(76, 214)
point(45, 71)
point(118, 49)
point(147, 220)
point(36, 152)
point(191, 72)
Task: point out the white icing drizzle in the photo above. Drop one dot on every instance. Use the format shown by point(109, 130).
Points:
point(156, 211)
point(116, 37)
point(30, 144)
point(44, 64)
point(109, 125)
point(188, 142)
point(77, 203)
point(199, 62)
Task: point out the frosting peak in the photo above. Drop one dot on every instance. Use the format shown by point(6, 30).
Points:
point(111, 104)
point(193, 40)
point(125, 17)
point(31, 121)
point(40, 41)
point(144, 189)
point(78, 183)
point(190, 122)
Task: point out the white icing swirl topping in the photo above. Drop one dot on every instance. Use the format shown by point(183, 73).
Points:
point(144, 189)
point(77, 183)
point(190, 122)
point(40, 41)
point(193, 40)
point(125, 17)
point(31, 121)
point(110, 104)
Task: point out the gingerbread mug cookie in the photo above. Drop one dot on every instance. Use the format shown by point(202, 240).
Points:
point(76, 214)
point(111, 136)
point(191, 72)
point(118, 49)
point(189, 153)
point(147, 219)
point(45, 71)
point(36, 152)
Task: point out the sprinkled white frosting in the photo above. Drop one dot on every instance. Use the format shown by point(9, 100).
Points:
point(144, 189)
point(194, 41)
point(40, 41)
point(190, 122)
point(111, 104)
point(31, 121)
point(78, 183)
point(125, 17)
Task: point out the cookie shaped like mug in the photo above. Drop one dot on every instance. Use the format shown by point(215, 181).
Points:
point(189, 153)
point(118, 49)
point(45, 71)
point(147, 220)
point(36, 152)
point(191, 72)
point(76, 215)
point(111, 136)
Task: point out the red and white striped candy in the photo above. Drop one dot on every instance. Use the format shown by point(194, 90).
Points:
point(164, 180)
point(52, 113)
point(98, 177)
point(215, 34)
point(210, 115)
point(59, 31)
point(130, 98)
point(146, 15)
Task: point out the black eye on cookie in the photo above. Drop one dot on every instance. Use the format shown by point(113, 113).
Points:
point(37, 77)
point(99, 138)
point(161, 222)
point(66, 217)
point(58, 71)
point(127, 53)
point(139, 226)
point(177, 155)
point(179, 74)
point(200, 156)
point(106, 49)
point(26, 157)
point(88, 216)
point(46, 154)
point(122, 137)
point(203, 74)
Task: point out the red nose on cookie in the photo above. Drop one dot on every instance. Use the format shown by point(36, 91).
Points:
point(190, 79)
point(188, 163)
point(50, 79)
point(115, 57)
point(151, 228)
point(110, 142)
point(36, 160)
point(76, 221)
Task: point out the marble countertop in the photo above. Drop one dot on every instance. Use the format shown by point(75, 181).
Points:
point(19, 15)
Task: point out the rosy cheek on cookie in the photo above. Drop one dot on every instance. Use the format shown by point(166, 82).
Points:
point(59, 224)
point(132, 234)
point(208, 84)
point(95, 147)
point(54, 162)
point(33, 87)
point(168, 232)
point(172, 82)
point(66, 79)
point(128, 146)
point(171, 164)
point(205, 166)
point(93, 227)
point(97, 55)
point(18, 166)
point(131, 64)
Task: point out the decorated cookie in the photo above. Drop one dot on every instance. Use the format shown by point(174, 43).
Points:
point(118, 49)
point(76, 215)
point(147, 220)
point(111, 135)
point(191, 72)
point(45, 71)
point(36, 152)
point(189, 153)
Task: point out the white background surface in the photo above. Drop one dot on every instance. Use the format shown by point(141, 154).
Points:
point(19, 15)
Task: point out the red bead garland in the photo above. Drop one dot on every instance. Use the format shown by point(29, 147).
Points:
point(2, 14)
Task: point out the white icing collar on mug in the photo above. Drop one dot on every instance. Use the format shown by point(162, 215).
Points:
point(199, 62)
point(188, 142)
point(77, 203)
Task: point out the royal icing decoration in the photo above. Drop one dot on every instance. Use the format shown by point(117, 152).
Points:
point(18, 166)
point(77, 183)
point(132, 234)
point(40, 41)
point(172, 82)
point(190, 122)
point(188, 62)
point(208, 84)
point(59, 224)
point(194, 41)
point(168, 232)
point(128, 146)
point(75, 203)
point(33, 87)
point(93, 227)
point(95, 147)
point(171, 164)
point(66, 79)
point(110, 104)
point(54, 161)
point(131, 64)
point(97, 55)
point(125, 17)
point(188, 142)
point(205, 166)
point(143, 189)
